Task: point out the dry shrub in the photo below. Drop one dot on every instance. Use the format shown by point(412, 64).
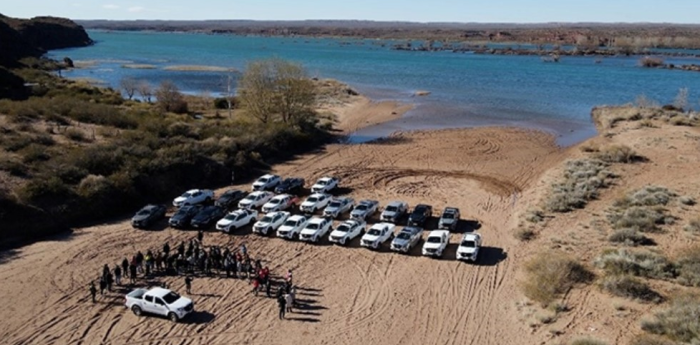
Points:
point(525, 234)
point(629, 237)
point(687, 200)
point(75, 135)
point(693, 226)
point(549, 275)
point(534, 216)
point(629, 287)
point(641, 209)
point(616, 154)
point(651, 62)
point(689, 266)
point(679, 322)
point(589, 148)
point(581, 182)
point(587, 341)
point(681, 120)
point(636, 263)
point(647, 123)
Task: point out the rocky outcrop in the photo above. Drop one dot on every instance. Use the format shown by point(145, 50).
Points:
point(33, 37)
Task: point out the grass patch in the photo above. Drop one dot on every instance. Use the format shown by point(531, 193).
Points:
point(639, 263)
point(687, 200)
point(646, 339)
point(76, 135)
point(581, 183)
point(616, 154)
point(534, 216)
point(550, 275)
point(629, 287)
point(629, 237)
point(679, 322)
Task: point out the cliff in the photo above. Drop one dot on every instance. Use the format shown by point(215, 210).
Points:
point(33, 37)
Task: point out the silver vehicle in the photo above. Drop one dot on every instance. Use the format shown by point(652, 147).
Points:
point(364, 209)
point(394, 211)
point(449, 219)
point(347, 231)
point(338, 206)
point(406, 239)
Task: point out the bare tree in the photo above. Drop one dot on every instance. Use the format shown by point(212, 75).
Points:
point(276, 87)
point(145, 91)
point(129, 85)
point(681, 100)
point(169, 98)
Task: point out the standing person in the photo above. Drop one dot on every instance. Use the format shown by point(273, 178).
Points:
point(188, 284)
point(288, 301)
point(132, 273)
point(109, 280)
point(125, 267)
point(200, 236)
point(267, 288)
point(288, 277)
point(105, 270)
point(139, 261)
point(93, 291)
point(103, 285)
point(166, 249)
point(244, 249)
point(118, 275)
point(293, 293)
point(282, 303)
point(256, 285)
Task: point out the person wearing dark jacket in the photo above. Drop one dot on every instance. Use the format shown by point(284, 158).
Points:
point(118, 275)
point(188, 284)
point(132, 273)
point(125, 267)
point(200, 236)
point(93, 291)
point(103, 285)
point(166, 249)
point(282, 303)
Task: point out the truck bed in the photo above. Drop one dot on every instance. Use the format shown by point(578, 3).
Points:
point(136, 294)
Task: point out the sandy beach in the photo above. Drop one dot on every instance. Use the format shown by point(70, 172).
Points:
point(353, 295)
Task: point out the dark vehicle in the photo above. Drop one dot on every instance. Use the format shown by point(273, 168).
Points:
point(230, 198)
point(207, 217)
point(420, 215)
point(290, 185)
point(148, 215)
point(184, 215)
point(449, 219)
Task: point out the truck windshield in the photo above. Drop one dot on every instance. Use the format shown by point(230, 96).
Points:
point(434, 239)
point(171, 297)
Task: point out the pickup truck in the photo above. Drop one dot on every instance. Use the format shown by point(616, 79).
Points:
point(292, 227)
point(420, 215)
point(449, 219)
point(314, 202)
point(290, 185)
point(147, 216)
point(406, 239)
point(194, 196)
point(159, 301)
point(468, 249)
point(393, 212)
point(279, 203)
point(266, 182)
point(270, 222)
point(325, 185)
point(338, 206)
point(347, 231)
point(364, 209)
point(378, 234)
point(236, 220)
point(436, 243)
point(316, 228)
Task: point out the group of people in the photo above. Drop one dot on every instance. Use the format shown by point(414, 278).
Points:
point(193, 258)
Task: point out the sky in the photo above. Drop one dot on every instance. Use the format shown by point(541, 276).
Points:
point(485, 11)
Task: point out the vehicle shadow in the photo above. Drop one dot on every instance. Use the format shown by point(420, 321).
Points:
point(342, 191)
point(490, 256)
point(465, 226)
point(198, 318)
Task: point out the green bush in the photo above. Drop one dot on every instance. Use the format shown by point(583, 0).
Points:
point(41, 189)
point(34, 153)
point(549, 275)
point(636, 263)
point(679, 322)
point(630, 287)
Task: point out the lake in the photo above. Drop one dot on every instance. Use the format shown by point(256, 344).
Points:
point(465, 89)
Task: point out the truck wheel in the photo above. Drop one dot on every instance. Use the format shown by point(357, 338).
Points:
point(207, 200)
point(137, 310)
point(342, 242)
point(173, 317)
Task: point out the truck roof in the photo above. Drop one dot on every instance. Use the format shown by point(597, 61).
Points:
point(439, 233)
point(158, 292)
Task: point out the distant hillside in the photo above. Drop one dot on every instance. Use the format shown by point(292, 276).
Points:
point(33, 37)
point(636, 35)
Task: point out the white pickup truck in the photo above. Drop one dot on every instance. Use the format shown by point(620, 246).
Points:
point(159, 301)
point(436, 243)
point(193, 197)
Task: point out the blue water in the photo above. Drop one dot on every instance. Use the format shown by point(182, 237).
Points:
point(466, 89)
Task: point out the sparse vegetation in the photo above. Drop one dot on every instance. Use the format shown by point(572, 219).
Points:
point(629, 237)
point(689, 266)
point(687, 200)
point(587, 341)
point(534, 216)
point(646, 339)
point(693, 226)
point(581, 183)
point(641, 210)
point(629, 287)
point(525, 234)
point(639, 263)
point(616, 154)
point(679, 322)
point(550, 275)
